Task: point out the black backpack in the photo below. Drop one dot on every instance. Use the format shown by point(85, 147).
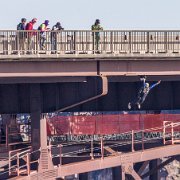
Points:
point(19, 26)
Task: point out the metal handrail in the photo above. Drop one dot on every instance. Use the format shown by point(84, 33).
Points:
point(132, 142)
point(89, 42)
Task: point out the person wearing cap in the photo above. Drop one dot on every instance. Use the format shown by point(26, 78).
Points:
point(21, 36)
point(55, 30)
point(43, 28)
point(96, 35)
point(30, 34)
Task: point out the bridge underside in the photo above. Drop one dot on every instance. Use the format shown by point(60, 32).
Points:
point(17, 98)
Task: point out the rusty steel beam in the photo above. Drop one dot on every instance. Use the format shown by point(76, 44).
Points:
point(110, 150)
point(143, 167)
point(121, 159)
point(129, 169)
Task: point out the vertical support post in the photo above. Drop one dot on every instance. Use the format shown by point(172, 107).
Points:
point(35, 108)
point(9, 163)
point(60, 154)
point(164, 132)
point(123, 174)
point(143, 140)
point(43, 132)
point(148, 42)
point(166, 41)
point(92, 147)
point(130, 43)
point(102, 148)
point(112, 50)
point(7, 136)
point(50, 151)
point(172, 133)
point(75, 49)
point(93, 45)
point(37, 37)
point(18, 173)
point(28, 164)
point(132, 145)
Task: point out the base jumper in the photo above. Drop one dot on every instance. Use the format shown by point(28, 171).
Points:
point(142, 94)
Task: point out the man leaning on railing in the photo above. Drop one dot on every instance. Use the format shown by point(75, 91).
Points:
point(29, 27)
point(55, 30)
point(96, 35)
point(43, 28)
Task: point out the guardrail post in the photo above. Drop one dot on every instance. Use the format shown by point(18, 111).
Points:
point(143, 140)
point(50, 147)
point(37, 39)
point(28, 164)
point(102, 148)
point(7, 136)
point(9, 163)
point(75, 49)
point(17, 43)
point(130, 43)
point(60, 154)
point(92, 147)
point(18, 173)
point(132, 145)
point(165, 42)
point(111, 45)
point(148, 42)
point(172, 133)
point(164, 133)
point(93, 43)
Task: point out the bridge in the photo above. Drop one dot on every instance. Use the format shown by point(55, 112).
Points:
point(132, 151)
point(74, 71)
point(76, 53)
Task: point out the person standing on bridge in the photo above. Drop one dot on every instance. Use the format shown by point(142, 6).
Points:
point(55, 30)
point(30, 27)
point(96, 35)
point(142, 94)
point(43, 35)
point(21, 36)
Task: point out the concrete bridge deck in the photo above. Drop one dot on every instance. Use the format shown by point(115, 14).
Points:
point(28, 67)
point(78, 53)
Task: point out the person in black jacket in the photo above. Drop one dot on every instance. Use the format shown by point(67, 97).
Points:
point(55, 30)
point(142, 94)
point(21, 36)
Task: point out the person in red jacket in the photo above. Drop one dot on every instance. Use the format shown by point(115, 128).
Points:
point(30, 27)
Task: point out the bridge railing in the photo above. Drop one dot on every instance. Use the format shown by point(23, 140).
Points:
point(21, 160)
point(89, 42)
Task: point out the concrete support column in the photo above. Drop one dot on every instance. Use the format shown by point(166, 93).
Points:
point(35, 108)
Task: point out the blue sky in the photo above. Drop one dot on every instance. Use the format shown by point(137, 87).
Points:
point(81, 14)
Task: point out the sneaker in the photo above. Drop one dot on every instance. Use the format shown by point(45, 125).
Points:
point(129, 105)
point(139, 106)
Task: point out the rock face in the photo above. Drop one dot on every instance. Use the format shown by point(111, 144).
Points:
point(173, 170)
point(170, 171)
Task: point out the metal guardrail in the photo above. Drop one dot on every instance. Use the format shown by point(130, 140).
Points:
point(89, 42)
point(20, 160)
